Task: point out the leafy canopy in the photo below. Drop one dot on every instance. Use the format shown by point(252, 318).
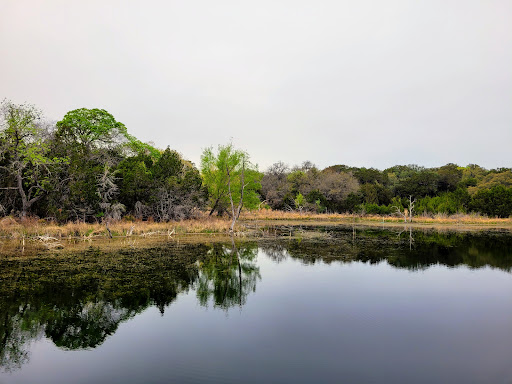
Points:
point(226, 171)
point(96, 128)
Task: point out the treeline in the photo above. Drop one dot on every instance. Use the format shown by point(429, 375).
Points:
point(87, 167)
point(448, 189)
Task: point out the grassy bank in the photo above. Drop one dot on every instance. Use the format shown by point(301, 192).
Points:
point(14, 228)
point(42, 230)
point(33, 235)
point(439, 219)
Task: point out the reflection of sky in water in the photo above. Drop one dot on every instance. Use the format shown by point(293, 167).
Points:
point(352, 322)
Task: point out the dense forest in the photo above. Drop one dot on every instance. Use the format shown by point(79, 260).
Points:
point(87, 167)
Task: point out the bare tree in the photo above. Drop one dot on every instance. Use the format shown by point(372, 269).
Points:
point(107, 190)
point(279, 169)
point(411, 207)
point(275, 186)
point(335, 186)
point(398, 211)
point(407, 212)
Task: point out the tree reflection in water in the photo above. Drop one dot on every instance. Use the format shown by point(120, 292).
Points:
point(78, 299)
point(400, 248)
point(228, 275)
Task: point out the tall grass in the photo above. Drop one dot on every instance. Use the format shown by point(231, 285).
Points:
point(473, 218)
point(204, 224)
point(12, 228)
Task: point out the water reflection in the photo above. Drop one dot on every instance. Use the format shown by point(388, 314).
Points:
point(78, 300)
point(401, 248)
point(228, 275)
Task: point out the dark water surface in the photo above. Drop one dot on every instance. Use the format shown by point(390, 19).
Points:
point(352, 306)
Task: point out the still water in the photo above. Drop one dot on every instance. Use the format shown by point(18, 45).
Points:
point(344, 305)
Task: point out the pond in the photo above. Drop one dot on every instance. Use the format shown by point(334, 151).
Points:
point(326, 305)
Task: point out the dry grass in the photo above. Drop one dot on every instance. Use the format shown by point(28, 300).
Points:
point(267, 214)
point(44, 231)
point(36, 229)
point(466, 219)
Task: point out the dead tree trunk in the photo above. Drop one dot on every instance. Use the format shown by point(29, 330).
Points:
point(403, 214)
point(411, 207)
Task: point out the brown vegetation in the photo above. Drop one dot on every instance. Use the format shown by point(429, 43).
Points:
point(51, 234)
point(267, 214)
point(34, 228)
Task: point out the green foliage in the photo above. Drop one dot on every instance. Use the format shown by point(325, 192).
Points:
point(139, 147)
point(299, 201)
point(375, 209)
point(168, 165)
point(166, 188)
point(317, 200)
point(351, 203)
point(448, 202)
point(496, 201)
point(224, 173)
point(449, 177)
point(297, 179)
point(369, 192)
point(89, 168)
point(398, 202)
point(493, 179)
point(470, 182)
point(473, 171)
point(90, 128)
point(369, 175)
point(26, 154)
point(134, 177)
point(418, 183)
point(325, 191)
point(60, 172)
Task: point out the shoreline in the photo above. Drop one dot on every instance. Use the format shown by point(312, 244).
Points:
point(37, 236)
point(249, 222)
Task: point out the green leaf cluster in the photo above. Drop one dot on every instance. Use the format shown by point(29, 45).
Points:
point(224, 173)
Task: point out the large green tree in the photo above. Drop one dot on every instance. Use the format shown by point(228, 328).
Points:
point(449, 177)
point(90, 128)
point(95, 144)
point(232, 180)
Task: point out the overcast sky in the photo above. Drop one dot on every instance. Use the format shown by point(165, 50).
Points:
point(366, 83)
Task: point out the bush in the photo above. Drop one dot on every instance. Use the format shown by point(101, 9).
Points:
point(375, 209)
point(496, 201)
point(449, 203)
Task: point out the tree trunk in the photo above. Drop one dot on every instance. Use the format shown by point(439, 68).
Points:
point(214, 207)
point(236, 213)
point(26, 203)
